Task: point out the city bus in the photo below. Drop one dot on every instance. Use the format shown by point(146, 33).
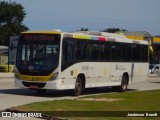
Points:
point(74, 61)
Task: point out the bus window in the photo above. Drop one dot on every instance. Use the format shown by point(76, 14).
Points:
point(135, 52)
point(116, 51)
point(126, 51)
point(102, 50)
point(93, 50)
point(144, 53)
point(80, 50)
point(108, 51)
point(105, 51)
point(68, 50)
point(68, 55)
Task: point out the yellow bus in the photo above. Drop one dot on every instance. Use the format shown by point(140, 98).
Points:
point(62, 60)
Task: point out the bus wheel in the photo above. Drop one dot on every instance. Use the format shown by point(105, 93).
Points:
point(41, 91)
point(123, 86)
point(78, 87)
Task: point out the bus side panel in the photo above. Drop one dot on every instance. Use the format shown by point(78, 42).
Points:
point(69, 75)
point(140, 72)
point(103, 74)
point(98, 74)
point(118, 69)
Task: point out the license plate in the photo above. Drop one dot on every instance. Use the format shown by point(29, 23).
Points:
point(33, 86)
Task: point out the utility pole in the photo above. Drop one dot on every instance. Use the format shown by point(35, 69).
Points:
point(9, 45)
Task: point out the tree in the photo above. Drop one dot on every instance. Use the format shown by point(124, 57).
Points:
point(11, 17)
point(113, 30)
point(83, 29)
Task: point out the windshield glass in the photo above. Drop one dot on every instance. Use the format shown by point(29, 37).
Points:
point(38, 54)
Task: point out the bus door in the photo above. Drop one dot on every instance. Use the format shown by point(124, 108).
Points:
point(67, 59)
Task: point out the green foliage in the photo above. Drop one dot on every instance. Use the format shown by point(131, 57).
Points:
point(11, 17)
point(113, 30)
point(83, 29)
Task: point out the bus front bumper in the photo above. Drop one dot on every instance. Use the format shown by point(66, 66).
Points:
point(56, 84)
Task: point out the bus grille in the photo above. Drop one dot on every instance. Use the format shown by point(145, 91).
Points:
point(29, 84)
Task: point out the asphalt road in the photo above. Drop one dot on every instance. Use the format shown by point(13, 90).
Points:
point(11, 96)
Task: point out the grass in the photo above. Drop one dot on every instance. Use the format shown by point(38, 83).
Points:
point(129, 101)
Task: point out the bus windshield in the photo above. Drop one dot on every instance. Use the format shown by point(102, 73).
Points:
point(38, 54)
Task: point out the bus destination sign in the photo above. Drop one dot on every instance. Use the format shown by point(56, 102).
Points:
point(38, 37)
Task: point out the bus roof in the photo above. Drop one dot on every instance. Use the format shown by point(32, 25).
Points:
point(91, 35)
point(104, 36)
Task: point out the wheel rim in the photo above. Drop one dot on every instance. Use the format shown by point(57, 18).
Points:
point(78, 87)
point(124, 83)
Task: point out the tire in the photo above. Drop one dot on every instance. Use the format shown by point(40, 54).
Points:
point(78, 87)
point(123, 86)
point(41, 91)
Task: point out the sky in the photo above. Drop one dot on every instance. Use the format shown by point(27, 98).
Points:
point(96, 15)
